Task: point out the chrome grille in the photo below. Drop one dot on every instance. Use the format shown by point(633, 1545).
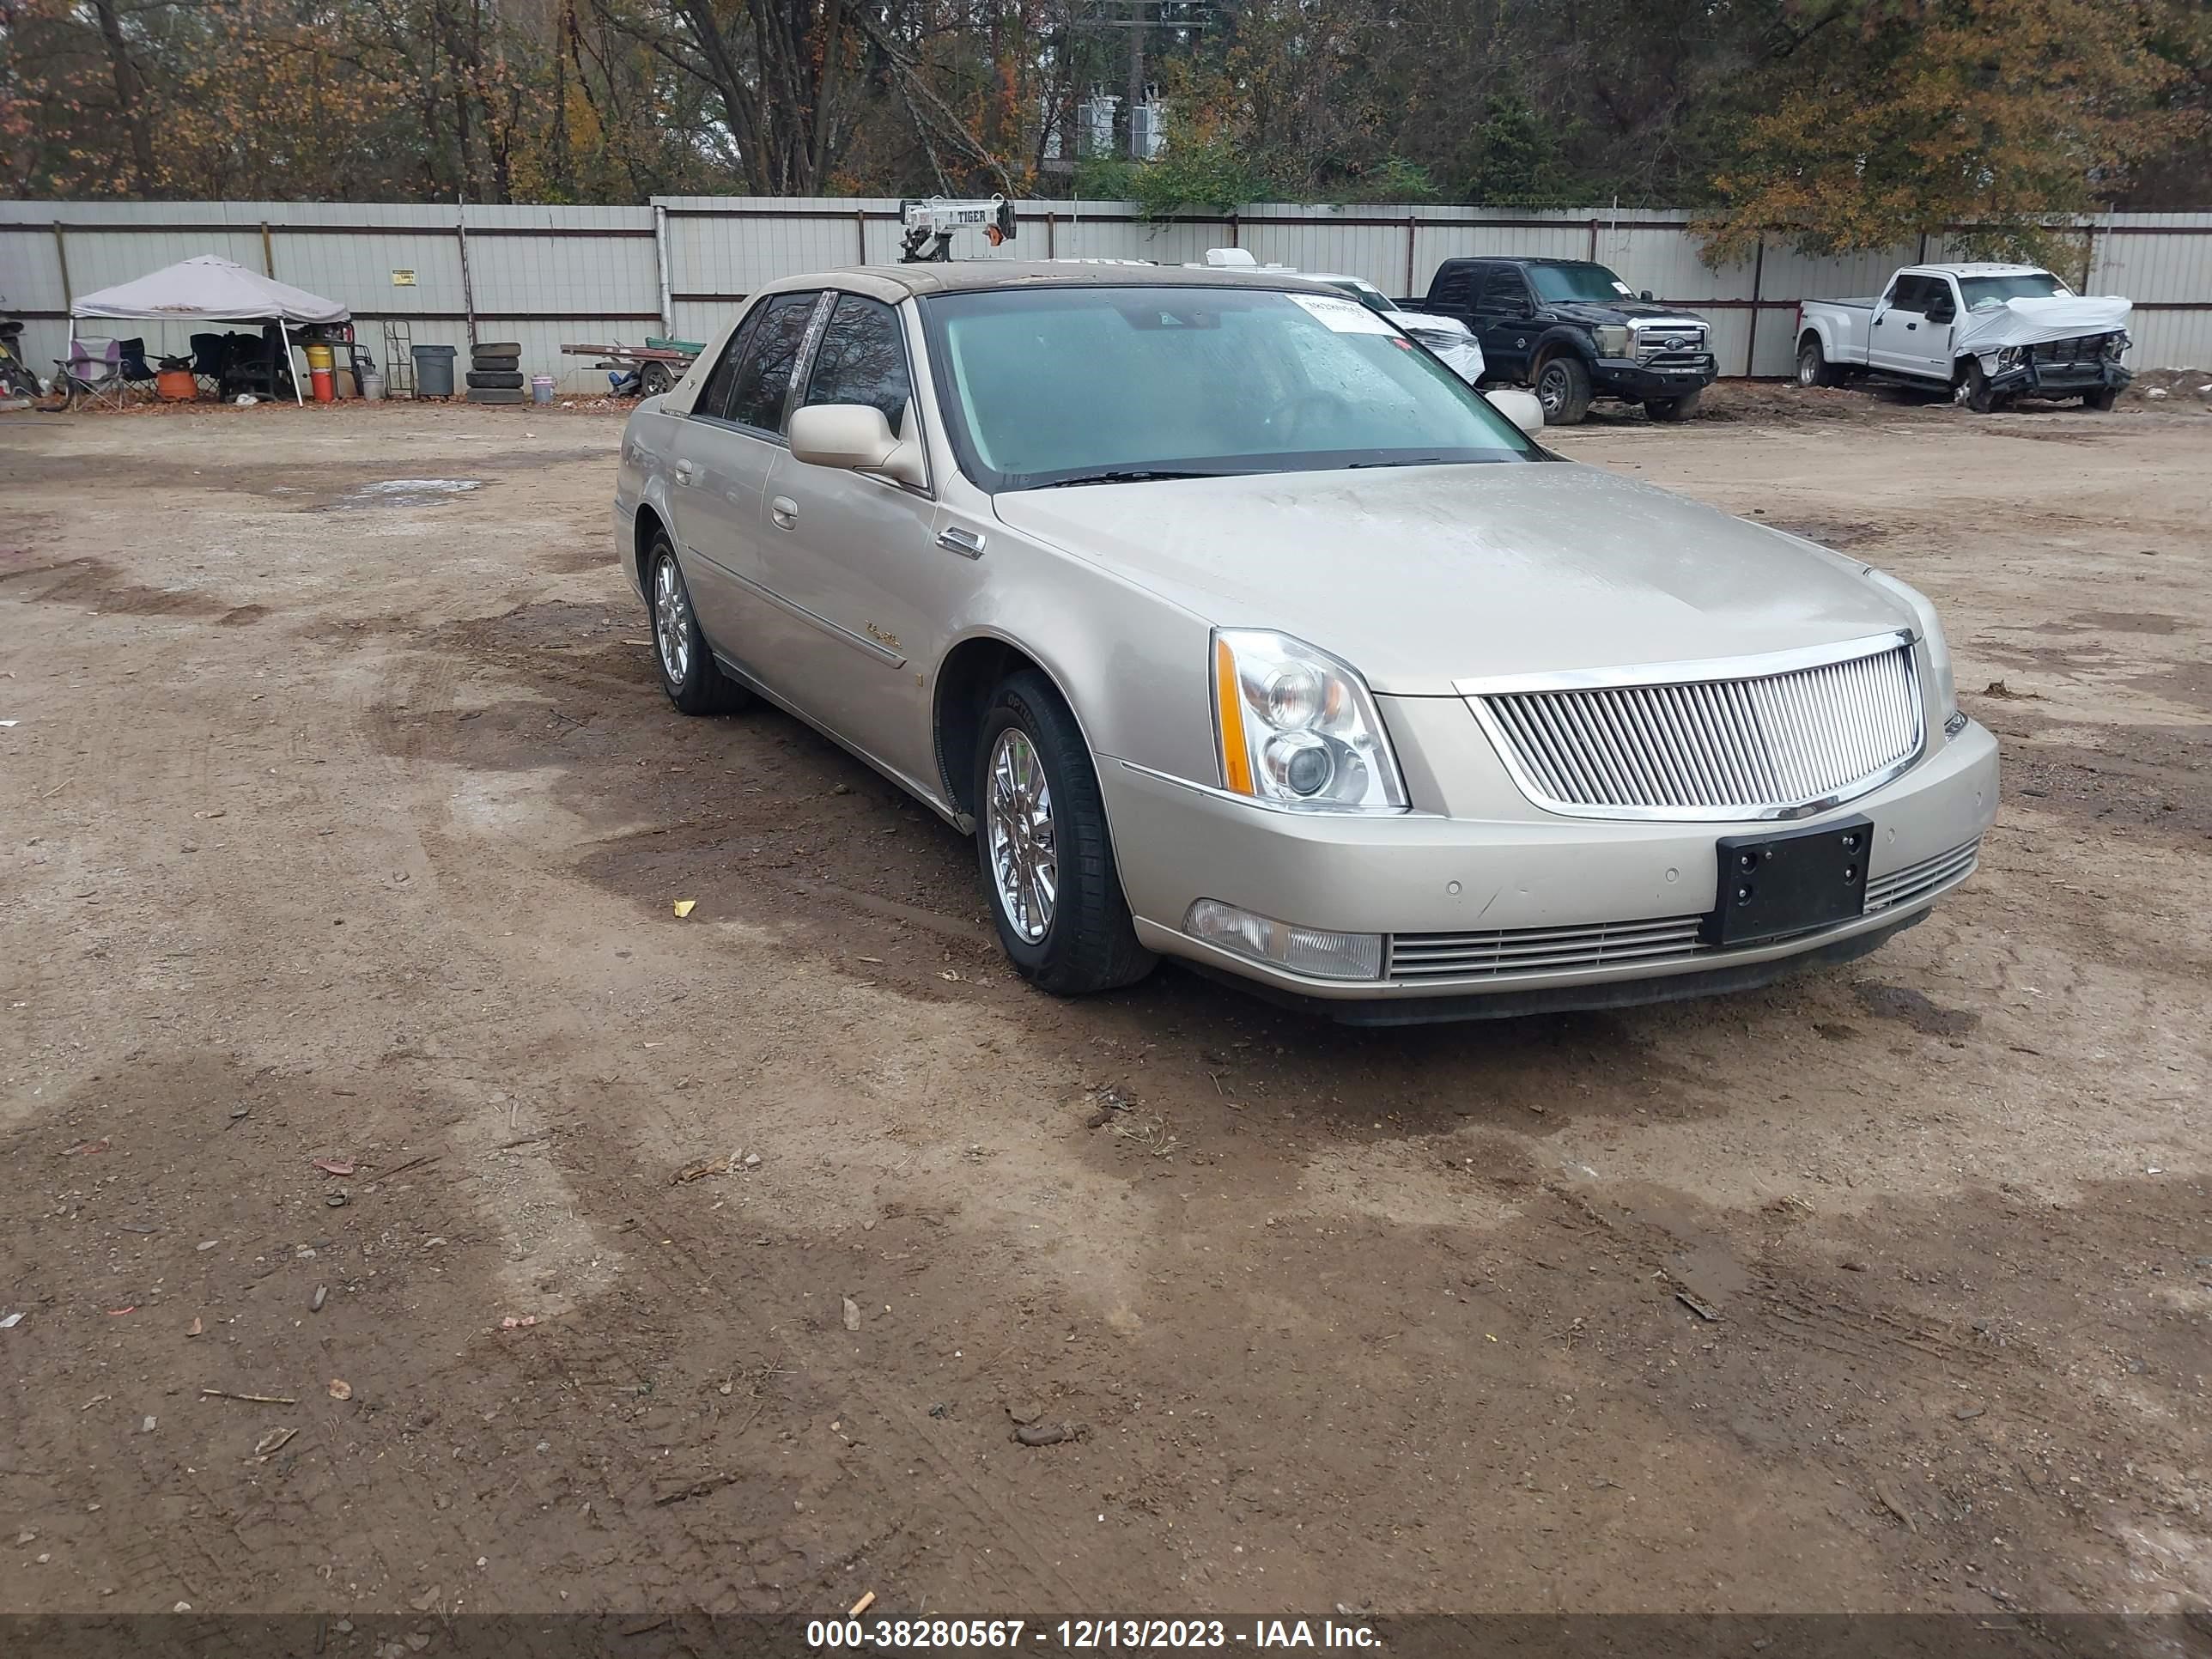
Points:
point(1655, 350)
point(1541, 949)
point(1511, 952)
point(1918, 880)
point(1771, 745)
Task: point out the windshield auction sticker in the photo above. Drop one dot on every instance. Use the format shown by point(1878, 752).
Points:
point(1344, 316)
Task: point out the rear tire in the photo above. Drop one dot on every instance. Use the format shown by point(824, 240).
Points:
point(1675, 409)
point(1813, 367)
point(487, 381)
point(1042, 844)
point(653, 379)
point(2101, 399)
point(1563, 387)
point(688, 671)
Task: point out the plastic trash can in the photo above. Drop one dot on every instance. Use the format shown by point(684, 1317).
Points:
point(541, 388)
point(434, 371)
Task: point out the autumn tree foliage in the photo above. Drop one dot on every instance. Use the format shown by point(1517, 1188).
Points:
point(1829, 123)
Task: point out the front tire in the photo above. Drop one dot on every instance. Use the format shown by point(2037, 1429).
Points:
point(1675, 409)
point(1041, 841)
point(2101, 399)
point(1979, 398)
point(687, 671)
point(1563, 387)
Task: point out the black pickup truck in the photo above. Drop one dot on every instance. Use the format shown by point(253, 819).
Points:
point(1573, 330)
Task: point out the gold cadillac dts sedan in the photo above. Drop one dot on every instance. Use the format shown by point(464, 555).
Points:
point(1234, 627)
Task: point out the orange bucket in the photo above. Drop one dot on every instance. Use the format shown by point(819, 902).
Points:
point(325, 387)
point(176, 386)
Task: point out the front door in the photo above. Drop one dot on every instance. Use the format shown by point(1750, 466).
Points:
point(1896, 340)
point(852, 561)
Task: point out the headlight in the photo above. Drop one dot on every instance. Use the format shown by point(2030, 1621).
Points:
point(1297, 729)
point(2009, 356)
point(1612, 339)
point(1939, 648)
point(2115, 346)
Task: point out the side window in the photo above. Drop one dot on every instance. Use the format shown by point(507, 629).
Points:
point(1506, 291)
point(1459, 284)
point(1911, 293)
point(763, 379)
point(713, 397)
point(862, 360)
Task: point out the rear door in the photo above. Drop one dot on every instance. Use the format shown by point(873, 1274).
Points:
point(722, 457)
point(1505, 323)
point(852, 558)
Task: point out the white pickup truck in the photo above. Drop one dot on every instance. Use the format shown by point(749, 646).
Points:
point(1990, 332)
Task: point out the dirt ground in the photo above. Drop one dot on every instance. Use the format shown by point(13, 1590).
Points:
point(343, 819)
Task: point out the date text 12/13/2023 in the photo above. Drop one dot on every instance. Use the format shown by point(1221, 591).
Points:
point(831, 1634)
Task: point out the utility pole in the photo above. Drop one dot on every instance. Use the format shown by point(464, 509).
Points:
point(1136, 73)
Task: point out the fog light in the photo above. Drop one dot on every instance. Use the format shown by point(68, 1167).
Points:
point(1314, 950)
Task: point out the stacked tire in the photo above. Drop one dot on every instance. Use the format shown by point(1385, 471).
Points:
point(495, 372)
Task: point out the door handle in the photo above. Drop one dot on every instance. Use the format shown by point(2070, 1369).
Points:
point(1911, 325)
point(683, 473)
point(785, 511)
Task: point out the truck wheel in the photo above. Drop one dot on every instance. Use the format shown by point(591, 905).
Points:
point(1813, 367)
point(2102, 398)
point(1979, 398)
point(1675, 409)
point(653, 379)
point(1563, 387)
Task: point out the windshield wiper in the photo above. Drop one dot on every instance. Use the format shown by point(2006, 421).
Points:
point(1132, 475)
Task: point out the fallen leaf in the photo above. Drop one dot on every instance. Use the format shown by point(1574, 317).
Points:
point(340, 1388)
point(272, 1441)
point(336, 1166)
point(852, 1315)
point(511, 1323)
point(683, 907)
point(194, 1328)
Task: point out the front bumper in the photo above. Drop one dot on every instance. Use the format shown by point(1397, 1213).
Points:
point(1625, 378)
point(2035, 379)
point(1474, 882)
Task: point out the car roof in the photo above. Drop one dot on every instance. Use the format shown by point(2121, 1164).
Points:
point(896, 283)
point(1982, 269)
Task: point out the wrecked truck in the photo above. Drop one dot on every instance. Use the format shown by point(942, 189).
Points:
point(1989, 333)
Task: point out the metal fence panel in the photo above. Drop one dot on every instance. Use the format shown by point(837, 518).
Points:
point(549, 275)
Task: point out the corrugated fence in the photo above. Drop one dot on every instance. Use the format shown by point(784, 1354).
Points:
point(551, 275)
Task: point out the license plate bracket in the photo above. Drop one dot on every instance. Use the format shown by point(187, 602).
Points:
point(1774, 886)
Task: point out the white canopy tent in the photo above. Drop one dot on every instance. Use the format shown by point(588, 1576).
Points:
point(213, 289)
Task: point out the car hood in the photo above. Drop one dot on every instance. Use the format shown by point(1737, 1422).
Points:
point(1420, 576)
point(1410, 320)
point(1625, 311)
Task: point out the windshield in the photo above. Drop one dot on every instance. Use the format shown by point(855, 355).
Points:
point(1046, 386)
point(1985, 293)
point(1578, 281)
point(1366, 293)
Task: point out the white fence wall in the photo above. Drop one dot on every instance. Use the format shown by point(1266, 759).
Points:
point(547, 276)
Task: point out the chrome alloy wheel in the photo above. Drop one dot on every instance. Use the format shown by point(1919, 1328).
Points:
point(1017, 818)
point(1552, 387)
point(671, 620)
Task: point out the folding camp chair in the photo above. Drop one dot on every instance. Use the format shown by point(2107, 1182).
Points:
point(131, 364)
point(90, 380)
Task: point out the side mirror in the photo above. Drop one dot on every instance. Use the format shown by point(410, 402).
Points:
point(1521, 408)
point(1645, 296)
point(855, 437)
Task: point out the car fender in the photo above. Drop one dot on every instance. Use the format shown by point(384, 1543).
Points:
point(1133, 665)
point(1571, 337)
